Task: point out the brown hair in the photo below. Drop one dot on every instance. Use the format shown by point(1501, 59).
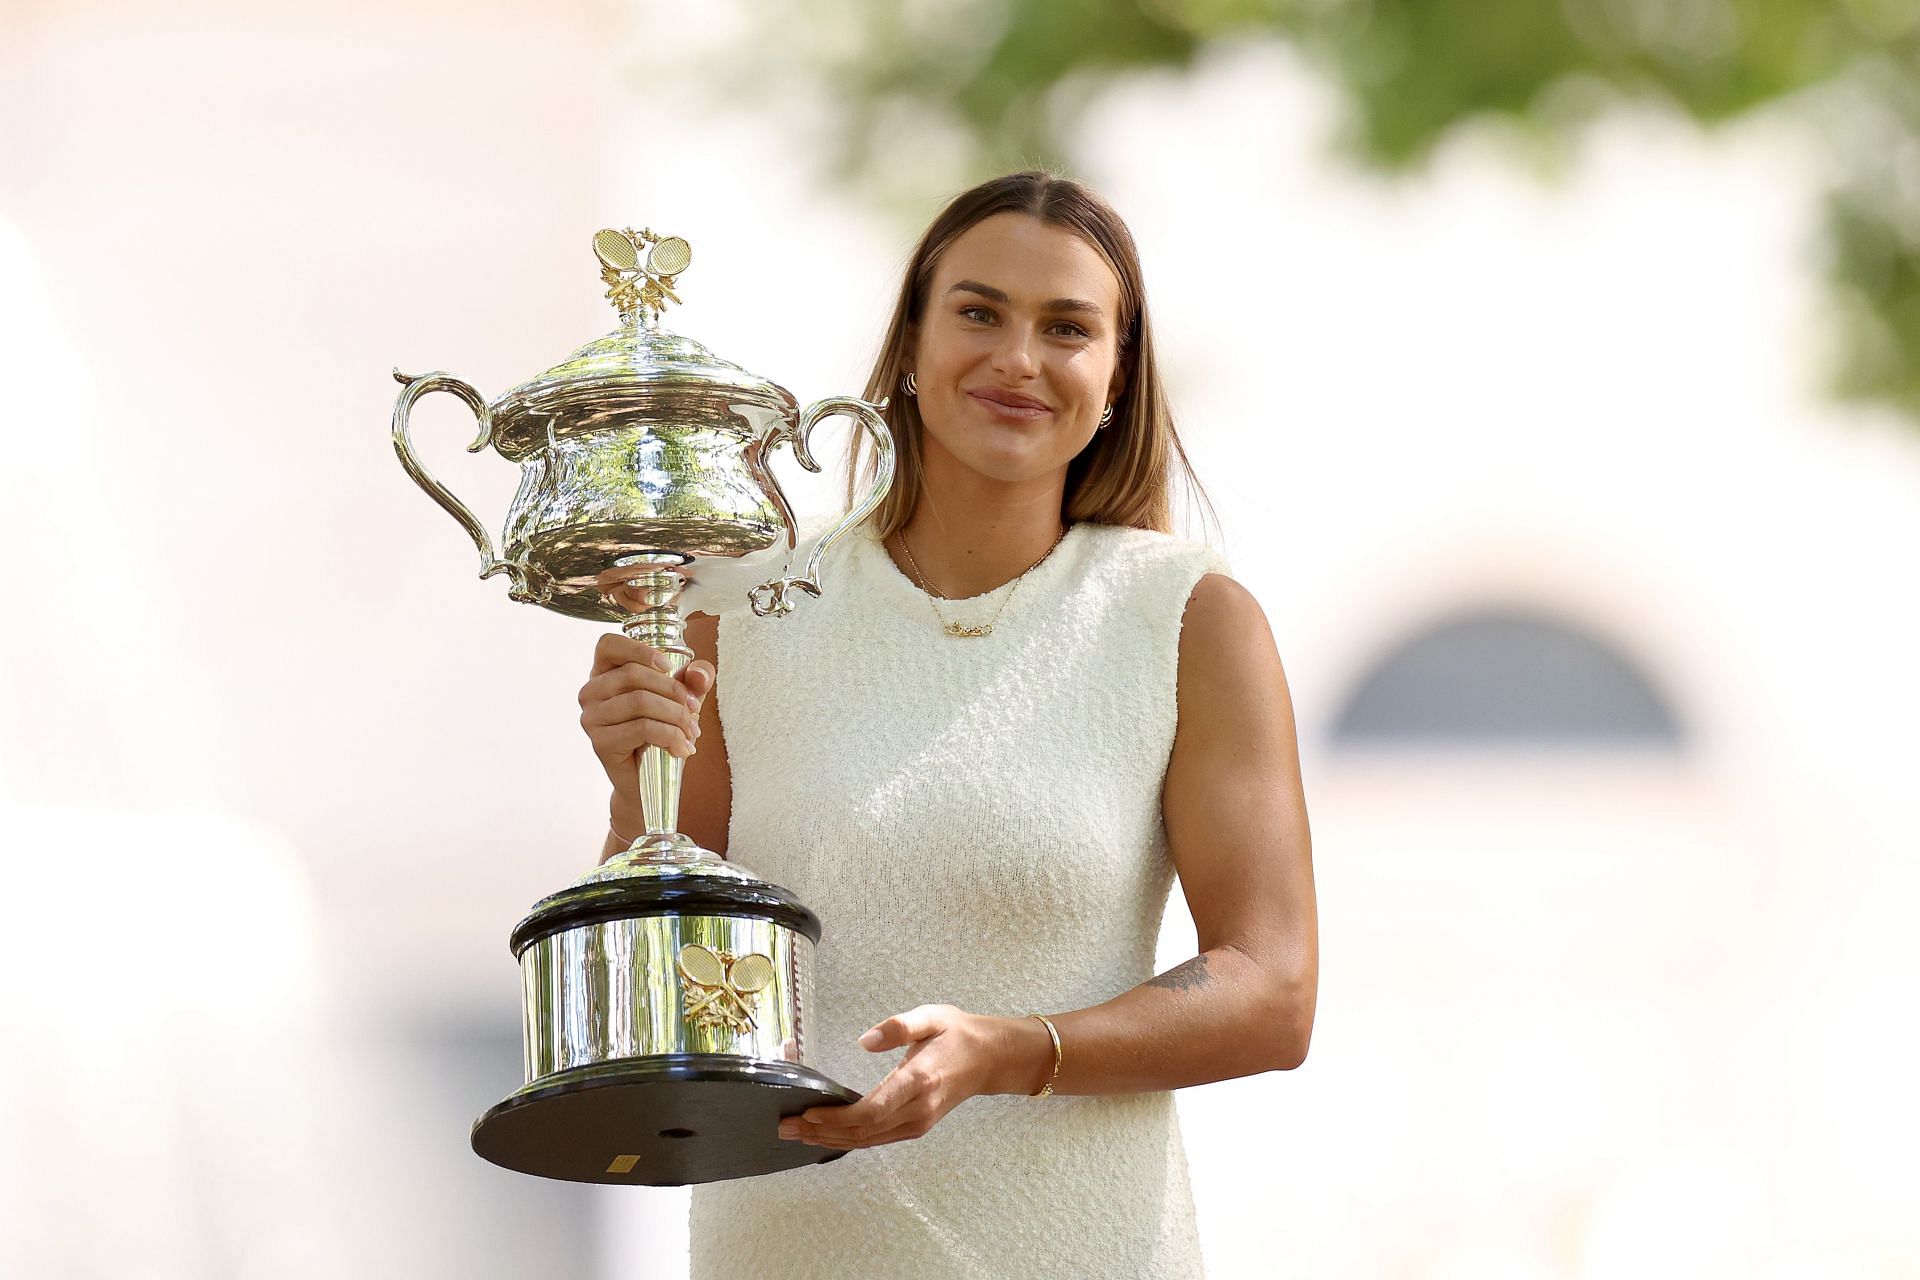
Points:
point(1124, 476)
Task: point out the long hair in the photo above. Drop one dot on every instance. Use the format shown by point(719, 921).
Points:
point(1125, 475)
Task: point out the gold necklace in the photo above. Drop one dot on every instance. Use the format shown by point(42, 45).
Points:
point(960, 630)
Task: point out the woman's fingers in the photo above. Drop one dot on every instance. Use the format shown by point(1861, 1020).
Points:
point(642, 704)
point(614, 743)
point(632, 675)
point(629, 707)
point(698, 677)
point(631, 678)
point(907, 1028)
point(633, 699)
point(901, 1134)
point(620, 664)
point(909, 1096)
point(615, 650)
point(945, 1063)
point(909, 1114)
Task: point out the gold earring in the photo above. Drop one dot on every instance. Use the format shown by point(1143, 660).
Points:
point(1106, 416)
point(910, 386)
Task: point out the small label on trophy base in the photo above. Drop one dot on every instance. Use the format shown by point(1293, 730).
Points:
point(623, 1164)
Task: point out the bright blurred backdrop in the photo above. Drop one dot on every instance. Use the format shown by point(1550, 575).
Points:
point(1596, 597)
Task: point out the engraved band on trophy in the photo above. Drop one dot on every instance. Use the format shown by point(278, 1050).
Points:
point(665, 993)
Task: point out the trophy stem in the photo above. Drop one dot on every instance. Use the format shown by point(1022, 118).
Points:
point(659, 624)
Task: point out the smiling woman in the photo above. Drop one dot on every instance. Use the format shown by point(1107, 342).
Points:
point(987, 806)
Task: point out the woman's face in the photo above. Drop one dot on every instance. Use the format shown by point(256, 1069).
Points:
point(1016, 353)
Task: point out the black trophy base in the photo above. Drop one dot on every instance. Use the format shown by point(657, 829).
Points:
point(664, 1121)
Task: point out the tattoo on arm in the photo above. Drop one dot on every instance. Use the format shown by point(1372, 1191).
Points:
point(1183, 977)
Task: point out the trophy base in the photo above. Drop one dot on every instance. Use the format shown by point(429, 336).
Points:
point(664, 1121)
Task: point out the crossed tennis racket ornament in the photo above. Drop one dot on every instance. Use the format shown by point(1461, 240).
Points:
point(721, 985)
point(667, 993)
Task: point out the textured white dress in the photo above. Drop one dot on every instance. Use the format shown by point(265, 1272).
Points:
point(976, 822)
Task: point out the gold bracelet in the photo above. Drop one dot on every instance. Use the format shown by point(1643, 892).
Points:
point(1053, 1031)
point(617, 836)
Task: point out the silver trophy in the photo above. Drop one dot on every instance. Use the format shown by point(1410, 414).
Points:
point(666, 993)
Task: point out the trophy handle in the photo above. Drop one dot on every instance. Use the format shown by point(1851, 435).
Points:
point(769, 599)
point(420, 384)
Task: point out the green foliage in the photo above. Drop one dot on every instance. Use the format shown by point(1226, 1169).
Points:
point(1010, 77)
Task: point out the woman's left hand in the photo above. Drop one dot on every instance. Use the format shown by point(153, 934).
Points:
point(952, 1055)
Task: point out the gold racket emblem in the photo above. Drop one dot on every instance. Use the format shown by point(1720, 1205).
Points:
point(669, 257)
point(720, 984)
point(615, 250)
point(638, 289)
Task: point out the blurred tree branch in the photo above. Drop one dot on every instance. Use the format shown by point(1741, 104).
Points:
point(1007, 78)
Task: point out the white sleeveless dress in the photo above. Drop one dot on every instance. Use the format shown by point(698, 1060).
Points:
point(977, 823)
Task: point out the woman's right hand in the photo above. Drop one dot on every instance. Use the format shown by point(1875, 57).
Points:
point(631, 702)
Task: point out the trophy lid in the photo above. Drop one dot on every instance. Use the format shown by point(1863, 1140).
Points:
point(639, 367)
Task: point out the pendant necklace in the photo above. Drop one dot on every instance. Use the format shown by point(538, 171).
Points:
point(961, 630)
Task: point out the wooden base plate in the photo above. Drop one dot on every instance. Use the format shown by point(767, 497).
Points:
point(664, 1121)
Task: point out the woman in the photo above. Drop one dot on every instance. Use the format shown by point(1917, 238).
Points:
point(1018, 711)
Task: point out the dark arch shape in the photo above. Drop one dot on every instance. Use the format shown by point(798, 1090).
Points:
point(1507, 676)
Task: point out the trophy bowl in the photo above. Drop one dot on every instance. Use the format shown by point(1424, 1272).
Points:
point(665, 994)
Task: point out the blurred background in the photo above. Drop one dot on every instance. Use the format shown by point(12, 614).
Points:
point(1554, 369)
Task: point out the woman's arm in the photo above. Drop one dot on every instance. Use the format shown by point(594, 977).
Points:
point(1236, 824)
point(1236, 820)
